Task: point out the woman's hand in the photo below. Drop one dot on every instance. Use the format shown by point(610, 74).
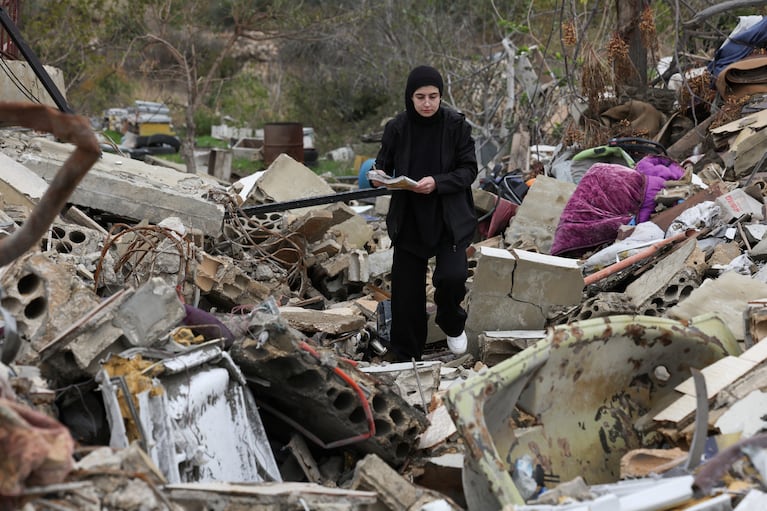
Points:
point(425, 185)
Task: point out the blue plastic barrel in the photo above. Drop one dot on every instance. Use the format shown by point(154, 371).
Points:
point(362, 179)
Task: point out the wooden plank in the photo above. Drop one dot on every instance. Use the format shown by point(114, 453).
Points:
point(718, 375)
point(756, 353)
point(678, 410)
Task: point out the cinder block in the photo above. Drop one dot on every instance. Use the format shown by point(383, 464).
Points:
point(152, 311)
point(671, 280)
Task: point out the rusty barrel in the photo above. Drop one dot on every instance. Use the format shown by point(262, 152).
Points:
point(283, 137)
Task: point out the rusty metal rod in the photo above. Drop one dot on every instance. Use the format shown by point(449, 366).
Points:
point(69, 128)
point(643, 254)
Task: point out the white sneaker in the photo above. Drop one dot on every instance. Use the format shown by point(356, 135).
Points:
point(458, 344)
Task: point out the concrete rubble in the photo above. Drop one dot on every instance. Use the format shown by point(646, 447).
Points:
point(161, 349)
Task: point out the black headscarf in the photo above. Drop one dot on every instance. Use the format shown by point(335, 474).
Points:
point(420, 76)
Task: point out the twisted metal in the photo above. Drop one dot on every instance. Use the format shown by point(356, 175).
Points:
point(140, 255)
point(264, 245)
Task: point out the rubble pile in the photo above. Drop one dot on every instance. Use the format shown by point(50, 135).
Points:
point(162, 349)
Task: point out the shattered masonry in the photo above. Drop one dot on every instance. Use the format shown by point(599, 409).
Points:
point(163, 349)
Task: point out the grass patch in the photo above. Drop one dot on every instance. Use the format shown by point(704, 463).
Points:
point(335, 168)
point(206, 142)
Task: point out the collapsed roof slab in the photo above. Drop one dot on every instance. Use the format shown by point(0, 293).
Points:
point(129, 188)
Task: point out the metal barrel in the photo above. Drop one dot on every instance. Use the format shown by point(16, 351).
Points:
point(283, 137)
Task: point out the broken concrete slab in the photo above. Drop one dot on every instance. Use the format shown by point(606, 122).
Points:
point(151, 311)
point(515, 289)
point(268, 497)
point(127, 318)
point(222, 279)
point(19, 186)
point(22, 72)
point(536, 220)
point(314, 224)
point(394, 491)
point(334, 321)
point(723, 254)
point(285, 180)
point(354, 233)
point(130, 188)
point(375, 268)
point(441, 427)
point(726, 296)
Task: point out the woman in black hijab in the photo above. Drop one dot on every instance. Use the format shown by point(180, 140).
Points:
point(431, 144)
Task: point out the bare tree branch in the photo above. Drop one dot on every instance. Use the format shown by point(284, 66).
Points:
point(709, 12)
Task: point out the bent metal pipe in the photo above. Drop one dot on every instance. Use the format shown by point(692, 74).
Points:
point(74, 129)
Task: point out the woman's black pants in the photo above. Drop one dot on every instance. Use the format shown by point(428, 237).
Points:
point(408, 298)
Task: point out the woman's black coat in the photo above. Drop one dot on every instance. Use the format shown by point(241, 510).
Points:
point(458, 172)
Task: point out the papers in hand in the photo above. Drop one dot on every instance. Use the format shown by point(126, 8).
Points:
point(394, 183)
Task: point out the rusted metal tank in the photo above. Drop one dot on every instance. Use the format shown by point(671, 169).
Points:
point(283, 137)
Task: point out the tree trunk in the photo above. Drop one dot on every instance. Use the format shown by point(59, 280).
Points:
point(189, 141)
point(629, 15)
